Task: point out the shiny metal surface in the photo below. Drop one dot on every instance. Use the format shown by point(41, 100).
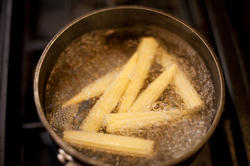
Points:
point(115, 18)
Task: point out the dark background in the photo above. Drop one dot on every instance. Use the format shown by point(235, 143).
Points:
point(27, 26)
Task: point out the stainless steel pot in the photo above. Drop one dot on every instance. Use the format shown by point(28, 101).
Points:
point(121, 17)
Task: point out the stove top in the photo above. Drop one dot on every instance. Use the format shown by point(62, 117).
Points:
point(27, 26)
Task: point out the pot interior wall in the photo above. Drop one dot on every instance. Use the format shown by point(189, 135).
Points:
point(124, 18)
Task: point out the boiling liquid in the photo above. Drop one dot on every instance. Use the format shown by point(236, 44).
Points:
point(94, 54)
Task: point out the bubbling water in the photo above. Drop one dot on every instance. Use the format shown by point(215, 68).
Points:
point(96, 53)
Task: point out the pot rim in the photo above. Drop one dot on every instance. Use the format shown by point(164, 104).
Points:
point(67, 148)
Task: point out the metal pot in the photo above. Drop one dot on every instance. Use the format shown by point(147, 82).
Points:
point(120, 17)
